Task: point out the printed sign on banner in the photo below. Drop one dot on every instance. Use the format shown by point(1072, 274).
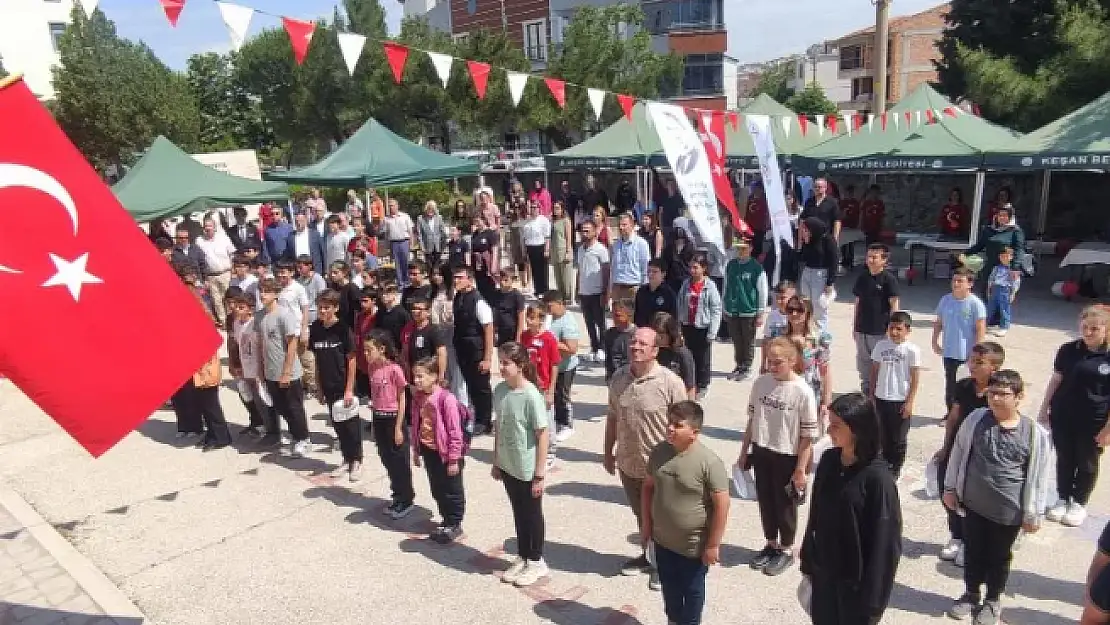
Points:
point(759, 127)
point(690, 164)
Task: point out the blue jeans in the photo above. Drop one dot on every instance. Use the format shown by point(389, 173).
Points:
point(683, 582)
point(400, 251)
point(998, 305)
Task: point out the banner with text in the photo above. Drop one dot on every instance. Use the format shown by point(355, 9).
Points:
point(688, 160)
point(759, 127)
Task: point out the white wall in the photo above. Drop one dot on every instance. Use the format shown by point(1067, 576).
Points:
point(731, 82)
point(25, 42)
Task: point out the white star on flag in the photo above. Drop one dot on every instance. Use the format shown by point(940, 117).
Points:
point(71, 274)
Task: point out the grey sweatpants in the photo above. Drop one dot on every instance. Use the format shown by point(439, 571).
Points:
point(865, 345)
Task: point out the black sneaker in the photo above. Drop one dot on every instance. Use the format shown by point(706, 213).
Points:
point(763, 558)
point(400, 510)
point(967, 605)
point(270, 440)
point(779, 563)
point(654, 582)
point(448, 534)
point(635, 566)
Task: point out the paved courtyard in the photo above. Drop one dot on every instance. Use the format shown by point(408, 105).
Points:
point(231, 537)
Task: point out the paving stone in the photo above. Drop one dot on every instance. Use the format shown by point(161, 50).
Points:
point(80, 605)
point(57, 583)
point(16, 584)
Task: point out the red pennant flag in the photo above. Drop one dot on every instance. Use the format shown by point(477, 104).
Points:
point(830, 121)
point(173, 10)
point(712, 124)
point(929, 117)
point(300, 34)
point(626, 102)
point(909, 118)
point(558, 90)
point(88, 283)
point(803, 122)
point(857, 121)
point(479, 73)
point(396, 54)
point(975, 109)
point(950, 111)
point(883, 118)
point(734, 120)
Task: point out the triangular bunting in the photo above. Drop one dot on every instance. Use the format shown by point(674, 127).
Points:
point(896, 122)
point(350, 44)
point(848, 123)
point(950, 111)
point(89, 6)
point(882, 120)
point(396, 54)
point(857, 122)
point(626, 102)
point(786, 124)
point(442, 63)
point(975, 109)
point(821, 125)
point(517, 83)
point(803, 123)
point(909, 118)
point(237, 18)
point(917, 116)
point(558, 90)
point(734, 120)
point(929, 118)
point(479, 72)
point(300, 35)
point(597, 101)
point(172, 9)
point(870, 122)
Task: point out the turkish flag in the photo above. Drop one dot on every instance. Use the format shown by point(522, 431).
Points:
point(713, 138)
point(97, 328)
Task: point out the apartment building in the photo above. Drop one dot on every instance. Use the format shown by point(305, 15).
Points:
point(29, 34)
point(910, 54)
point(821, 65)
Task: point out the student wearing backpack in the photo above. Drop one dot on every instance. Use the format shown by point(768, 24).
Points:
point(439, 442)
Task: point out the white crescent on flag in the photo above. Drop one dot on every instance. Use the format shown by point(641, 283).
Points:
point(15, 175)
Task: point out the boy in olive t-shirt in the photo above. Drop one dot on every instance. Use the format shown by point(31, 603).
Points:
point(685, 509)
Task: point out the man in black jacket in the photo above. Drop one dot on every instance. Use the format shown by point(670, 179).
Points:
point(243, 233)
point(473, 340)
point(185, 253)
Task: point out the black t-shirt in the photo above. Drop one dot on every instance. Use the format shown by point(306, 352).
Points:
point(481, 243)
point(969, 400)
point(456, 252)
point(648, 303)
point(670, 209)
point(350, 302)
point(1081, 402)
point(410, 293)
point(331, 345)
point(423, 343)
point(593, 198)
point(828, 211)
point(874, 293)
point(506, 308)
point(393, 321)
point(617, 344)
point(679, 360)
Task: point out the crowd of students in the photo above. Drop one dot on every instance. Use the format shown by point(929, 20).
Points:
point(420, 354)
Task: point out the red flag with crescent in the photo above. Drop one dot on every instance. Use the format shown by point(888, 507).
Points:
point(98, 329)
point(712, 125)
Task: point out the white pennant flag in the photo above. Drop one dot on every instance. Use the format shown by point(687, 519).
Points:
point(89, 6)
point(517, 82)
point(917, 117)
point(787, 123)
point(597, 100)
point(870, 122)
point(895, 116)
point(237, 18)
point(350, 44)
point(848, 123)
point(442, 63)
point(821, 125)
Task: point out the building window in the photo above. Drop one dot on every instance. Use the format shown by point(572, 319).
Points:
point(57, 29)
point(703, 74)
point(460, 38)
point(698, 13)
point(851, 57)
point(471, 6)
point(862, 88)
point(535, 40)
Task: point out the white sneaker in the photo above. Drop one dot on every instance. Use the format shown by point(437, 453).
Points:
point(1057, 511)
point(532, 573)
point(514, 571)
point(1075, 516)
point(300, 449)
point(959, 559)
point(356, 472)
point(599, 356)
point(1000, 332)
point(564, 433)
point(341, 470)
point(992, 329)
point(949, 551)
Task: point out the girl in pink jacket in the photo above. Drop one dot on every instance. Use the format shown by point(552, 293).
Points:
point(439, 444)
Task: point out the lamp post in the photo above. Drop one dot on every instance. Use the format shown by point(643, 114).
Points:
point(882, 44)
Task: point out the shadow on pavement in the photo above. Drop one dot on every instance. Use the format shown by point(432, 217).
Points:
point(564, 612)
point(19, 613)
point(577, 559)
point(1026, 616)
point(734, 555)
point(922, 602)
point(605, 493)
point(915, 549)
point(722, 434)
point(1029, 584)
point(371, 510)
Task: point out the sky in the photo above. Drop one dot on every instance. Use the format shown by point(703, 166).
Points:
point(758, 30)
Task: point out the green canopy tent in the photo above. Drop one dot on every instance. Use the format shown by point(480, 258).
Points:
point(167, 182)
point(950, 143)
point(376, 157)
point(1078, 140)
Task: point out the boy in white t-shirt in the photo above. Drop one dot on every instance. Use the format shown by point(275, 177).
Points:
point(245, 280)
point(895, 372)
point(244, 352)
point(294, 298)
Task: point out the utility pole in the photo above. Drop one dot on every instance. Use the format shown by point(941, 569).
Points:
point(504, 18)
point(882, 43)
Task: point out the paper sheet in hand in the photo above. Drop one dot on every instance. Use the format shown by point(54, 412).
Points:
point(744, 483)
point(343, 411)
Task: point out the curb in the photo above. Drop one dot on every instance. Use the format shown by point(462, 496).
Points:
point(103, 592)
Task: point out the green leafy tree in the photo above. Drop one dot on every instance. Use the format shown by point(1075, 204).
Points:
point(113, 96)
point(775, 80)
point(230, 117)
point(811, 101)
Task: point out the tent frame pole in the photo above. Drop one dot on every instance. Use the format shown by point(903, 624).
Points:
point(977, 206)
point(1042, 215)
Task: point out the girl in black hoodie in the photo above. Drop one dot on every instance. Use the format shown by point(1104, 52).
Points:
point(818, 257)
point(853, 540)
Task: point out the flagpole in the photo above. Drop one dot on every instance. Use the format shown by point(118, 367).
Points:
point(10, 80)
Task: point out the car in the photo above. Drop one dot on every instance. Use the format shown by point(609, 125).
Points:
point(516, 160)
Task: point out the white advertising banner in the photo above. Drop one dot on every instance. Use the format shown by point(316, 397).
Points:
point(759, 127)
point(690, 164)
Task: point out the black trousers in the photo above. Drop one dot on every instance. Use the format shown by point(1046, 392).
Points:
point(289, 403)
point(527, 516)
point(447, 490)
point(777, 511)
point(955, 521)
point(1077, 460)
point(563, 406)
point(395, 458)
point(538, 260)
point(723, 332)
point(895, 432)
point(742, 331)
point(477, 383)
point(951, 366)
point(594, 315)
point(189, 419)
point(697, 341)
point(207, 402)
point(348, 432)
point(988, 551)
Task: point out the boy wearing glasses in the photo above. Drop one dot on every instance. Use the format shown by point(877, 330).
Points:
point(997, 480)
